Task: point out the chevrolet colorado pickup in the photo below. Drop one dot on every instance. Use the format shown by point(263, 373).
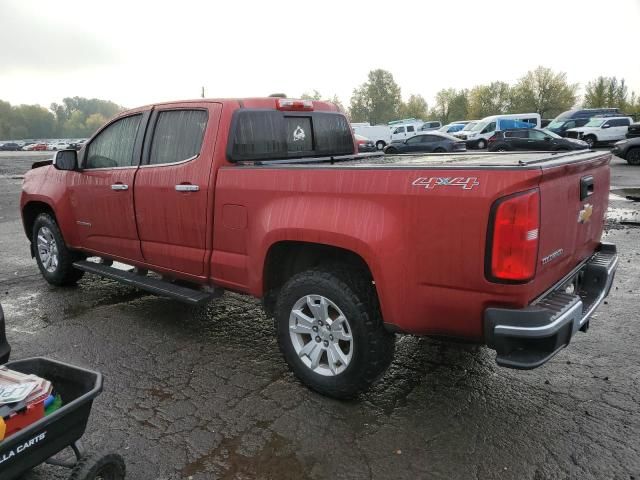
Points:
point(268, 197)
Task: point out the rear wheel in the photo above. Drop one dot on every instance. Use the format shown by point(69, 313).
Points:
point(633, 156)
point(482, 143)
point(330, 331)
point(380, 145)
point(590, 140)
point(501, 148)
point(54, 259)
point(439, 150)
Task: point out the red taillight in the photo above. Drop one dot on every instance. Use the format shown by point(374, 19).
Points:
point(493, 138)
point(514, 247)
point(297, 105)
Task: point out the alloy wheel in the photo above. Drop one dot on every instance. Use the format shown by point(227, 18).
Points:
point(321, 335)
point(47, 249)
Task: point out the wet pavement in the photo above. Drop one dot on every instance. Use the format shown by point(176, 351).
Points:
point(203, 393)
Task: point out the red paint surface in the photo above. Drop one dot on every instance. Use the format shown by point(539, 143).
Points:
point(425, 247)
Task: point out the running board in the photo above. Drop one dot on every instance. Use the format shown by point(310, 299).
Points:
point(164, 288)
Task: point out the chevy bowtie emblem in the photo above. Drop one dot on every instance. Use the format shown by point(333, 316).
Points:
point(585, 214)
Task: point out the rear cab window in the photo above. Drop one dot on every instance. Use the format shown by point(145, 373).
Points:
point(260, 134)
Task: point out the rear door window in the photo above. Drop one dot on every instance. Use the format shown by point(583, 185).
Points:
point(410, 129)
point(177, 136)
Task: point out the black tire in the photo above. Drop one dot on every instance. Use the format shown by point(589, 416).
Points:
point(499, 148)
point(105, 467)
point(482, 143)
point(63, 273)
point(380, 145)
point(591, 141)
point(355, 296)
point(633, 156)
point(439, 150)
point(390, 151)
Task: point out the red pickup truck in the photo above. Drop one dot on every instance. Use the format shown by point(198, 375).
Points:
point(268, 197)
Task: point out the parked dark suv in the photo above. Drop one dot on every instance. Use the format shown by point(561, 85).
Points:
point(577, 118)
point(532, 139)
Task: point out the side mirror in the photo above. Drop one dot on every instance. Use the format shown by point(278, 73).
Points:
point(548, 139)
point(606, 126)
point(66, 160)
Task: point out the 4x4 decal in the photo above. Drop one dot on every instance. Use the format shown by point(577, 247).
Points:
point(467, 183)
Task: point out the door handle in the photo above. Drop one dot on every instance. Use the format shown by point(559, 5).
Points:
point(586, 187)
point(119, 186)
point(187, 188)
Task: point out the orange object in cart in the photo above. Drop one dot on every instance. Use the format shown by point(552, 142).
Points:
point(21, 416)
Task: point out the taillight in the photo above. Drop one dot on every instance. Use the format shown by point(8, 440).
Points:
point(493, 138)
point(513, 237)
point(295, 105)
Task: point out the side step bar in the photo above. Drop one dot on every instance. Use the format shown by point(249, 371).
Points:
point(164, 288)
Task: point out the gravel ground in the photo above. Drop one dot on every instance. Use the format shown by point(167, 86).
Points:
point(203, 393)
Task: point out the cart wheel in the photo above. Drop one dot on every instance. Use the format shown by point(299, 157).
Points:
point(99, 467)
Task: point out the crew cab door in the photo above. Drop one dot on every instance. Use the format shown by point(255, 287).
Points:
point(173, 196)
point(101, 192)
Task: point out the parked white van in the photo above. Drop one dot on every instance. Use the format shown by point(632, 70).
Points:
point(402, 131)
point(485, 128)
point(378, 134)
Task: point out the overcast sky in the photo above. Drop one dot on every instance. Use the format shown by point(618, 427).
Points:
point(135, 52)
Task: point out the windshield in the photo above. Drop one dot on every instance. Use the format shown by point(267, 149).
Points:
point(556, 124)
point(550, 133)
point(469, 126)
point(595, 122)
point(479, 126)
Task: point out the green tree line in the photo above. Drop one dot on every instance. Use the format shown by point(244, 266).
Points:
point(75, 117)
point(378, 100)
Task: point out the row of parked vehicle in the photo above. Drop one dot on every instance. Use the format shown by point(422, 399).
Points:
point(42, 145)
point(571, 130)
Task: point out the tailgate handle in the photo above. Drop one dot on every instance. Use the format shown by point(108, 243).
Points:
point(586, 187)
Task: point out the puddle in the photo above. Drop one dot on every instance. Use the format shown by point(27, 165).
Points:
point(632, 194)
point(624, 216)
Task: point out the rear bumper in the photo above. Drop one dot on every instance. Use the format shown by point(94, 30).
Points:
point(527, 338)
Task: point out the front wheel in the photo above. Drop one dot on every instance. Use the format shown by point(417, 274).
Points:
point(590, 140)
point(54, 259)
point(104, 467)
point(330, 331)
point(633, 156)
point(390, 151)
point(482, 144)
point(380, 145)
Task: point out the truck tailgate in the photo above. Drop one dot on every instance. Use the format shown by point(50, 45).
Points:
point(574, 199)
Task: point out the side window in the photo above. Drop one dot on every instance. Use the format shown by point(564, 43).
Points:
point(536, 135)
point(571, 124)
point(399, 130)
point(610, 123)
point(178, 136)
point(431, 138)
point(410, 129)
point(113, 147)
point(489, 128)
point(416, 139)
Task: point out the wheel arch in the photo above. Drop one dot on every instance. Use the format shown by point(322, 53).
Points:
point(30, 212)
point(286, 258)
